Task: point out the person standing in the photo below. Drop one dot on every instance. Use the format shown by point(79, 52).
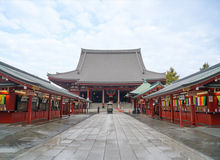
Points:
point(98, 109)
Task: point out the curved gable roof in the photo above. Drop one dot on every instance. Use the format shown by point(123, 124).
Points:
point(109, 66)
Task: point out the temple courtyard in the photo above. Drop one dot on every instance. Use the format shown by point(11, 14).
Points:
point(108, 136)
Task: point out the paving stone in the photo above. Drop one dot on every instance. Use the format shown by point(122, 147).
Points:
point(103, 136)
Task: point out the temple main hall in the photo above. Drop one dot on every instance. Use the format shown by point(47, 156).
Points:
point(104, 76)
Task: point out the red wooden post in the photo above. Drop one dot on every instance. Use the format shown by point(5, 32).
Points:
point(193, 118)
point(146, 110)
point(82, 107)
point(79, 107)
point(180, 112)
point(61, 107)
point(103, 98)
point(152, 108)
point(69, 106)
point(29, 109)
point(88, 97)
point(171, 108)
point(49, 108)
point(141, 107)
point(160, 108)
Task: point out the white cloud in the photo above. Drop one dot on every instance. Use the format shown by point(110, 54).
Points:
point(12, 23)
point(48, 36)
point(84, 20)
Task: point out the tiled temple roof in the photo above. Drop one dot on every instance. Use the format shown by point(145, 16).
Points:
point(109, 66)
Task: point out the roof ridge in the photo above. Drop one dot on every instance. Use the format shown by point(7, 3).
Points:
point(201, 71)
point(17, 69)
point(111, 51)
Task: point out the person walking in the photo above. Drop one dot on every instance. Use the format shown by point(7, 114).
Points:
point(98, 109)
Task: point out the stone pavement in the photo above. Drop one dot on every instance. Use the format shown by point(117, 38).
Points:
point(18, 137)
point(111, 136)
point(205, 139)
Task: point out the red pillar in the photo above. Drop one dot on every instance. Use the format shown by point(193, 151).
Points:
point(160, 108)
point(146, 110)
point(29, 109)
point(103, 98)
point(72, 108)
point(49, 108)
point(79, 107)
point(152, 108)
point(136, 105)
point(180, 112)
point(171, 108)
point(82, 107)
point(193, 112)
point(61, 107)
point(141, 107)
point(69, 106)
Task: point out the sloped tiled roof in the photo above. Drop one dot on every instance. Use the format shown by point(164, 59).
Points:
point(144, 86)
point(190, 80)
point(30, 79)
point(109, 66)
point(158, 83)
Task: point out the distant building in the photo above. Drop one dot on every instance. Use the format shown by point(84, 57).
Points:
point(107, 75)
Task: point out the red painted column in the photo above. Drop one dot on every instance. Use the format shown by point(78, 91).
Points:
point(61, 107)
point(141, 107)
point(88, 96)
point(180, 112)
point(82, 107)
point(193, 118)
point(69, 106)
point(160, 108)
point(49, 108)
point(118, 97)
point(152, 108)
point(29, 109)
point(103, 98)
point(171, 108)
point(136, 105)
point(79, 107)
point(146, 110)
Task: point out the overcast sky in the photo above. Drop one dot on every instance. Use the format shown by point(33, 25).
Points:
point(43, 37)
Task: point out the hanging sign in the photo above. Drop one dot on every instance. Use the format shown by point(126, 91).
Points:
point(35, 88)
point(30, 92)
point(182, 97)
point(210, 98)
point(192, 93)
point(110, 92)
point(186, 89)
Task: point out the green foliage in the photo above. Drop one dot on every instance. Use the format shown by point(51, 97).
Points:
point(171, 76)
point(205, 65)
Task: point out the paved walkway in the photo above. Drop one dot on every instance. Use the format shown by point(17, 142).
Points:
point(18, 137)
point(205, 139)
point(111, 136)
